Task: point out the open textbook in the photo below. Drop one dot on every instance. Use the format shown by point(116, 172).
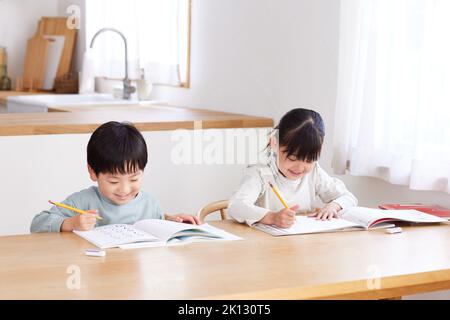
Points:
point(152, 232)
point(356, 218)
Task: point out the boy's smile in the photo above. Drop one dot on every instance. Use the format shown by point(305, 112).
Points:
point(118, 188)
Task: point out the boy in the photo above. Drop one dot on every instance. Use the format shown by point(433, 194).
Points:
point(116, 157)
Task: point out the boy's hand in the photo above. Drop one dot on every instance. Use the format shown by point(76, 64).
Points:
point(284, 218)
point(328, 212)
point(80, 222)
point(184, 218)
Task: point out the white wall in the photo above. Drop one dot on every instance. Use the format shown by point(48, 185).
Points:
point(263, 57)
point(39, 168)
point(18, 22)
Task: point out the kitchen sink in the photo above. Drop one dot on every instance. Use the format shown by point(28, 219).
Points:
point(47, 103)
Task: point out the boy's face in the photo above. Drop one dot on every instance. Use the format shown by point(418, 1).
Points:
point(116, 187)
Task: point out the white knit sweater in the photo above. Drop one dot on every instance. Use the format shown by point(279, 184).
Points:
point(254, 197)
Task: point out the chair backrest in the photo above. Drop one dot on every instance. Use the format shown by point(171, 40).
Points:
point(213, 207)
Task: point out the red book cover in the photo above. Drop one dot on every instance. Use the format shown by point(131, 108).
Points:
point(432, 209)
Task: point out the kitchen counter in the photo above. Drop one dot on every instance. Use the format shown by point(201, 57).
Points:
point(151, 117)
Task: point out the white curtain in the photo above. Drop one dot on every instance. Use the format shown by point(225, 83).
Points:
point(156, 32)
point(393, 101)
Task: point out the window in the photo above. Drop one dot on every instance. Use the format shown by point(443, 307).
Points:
point(393, 105)
point(158, 36)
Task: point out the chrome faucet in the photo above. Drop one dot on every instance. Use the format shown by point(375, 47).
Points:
point(128, 89)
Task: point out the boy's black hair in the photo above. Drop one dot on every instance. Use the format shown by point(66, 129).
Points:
point(301, 133)
point(117, 147)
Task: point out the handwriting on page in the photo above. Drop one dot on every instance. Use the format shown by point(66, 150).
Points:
point(121, 232)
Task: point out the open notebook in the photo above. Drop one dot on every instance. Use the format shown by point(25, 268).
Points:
point(152, 232)
point(356, 218)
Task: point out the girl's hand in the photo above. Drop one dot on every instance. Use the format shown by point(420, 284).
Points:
point(184, 218)
point(80, 222)
point(284, 218)
point(327, 212)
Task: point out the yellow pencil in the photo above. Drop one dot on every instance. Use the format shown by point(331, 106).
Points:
point(65, 206)
point(275, 190)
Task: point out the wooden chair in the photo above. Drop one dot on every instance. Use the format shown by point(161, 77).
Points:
point(213, 207)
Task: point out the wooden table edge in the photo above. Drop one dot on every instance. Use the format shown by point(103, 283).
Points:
point(390, 287)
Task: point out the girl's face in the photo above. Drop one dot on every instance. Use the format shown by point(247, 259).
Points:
point(291, 167)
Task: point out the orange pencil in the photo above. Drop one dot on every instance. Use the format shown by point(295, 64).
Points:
point(65, 206)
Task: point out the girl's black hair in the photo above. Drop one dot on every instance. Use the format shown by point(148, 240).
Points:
point(301, 133)
point(117, 147)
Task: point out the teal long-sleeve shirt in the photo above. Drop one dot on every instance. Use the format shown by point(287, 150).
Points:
point(144, 206)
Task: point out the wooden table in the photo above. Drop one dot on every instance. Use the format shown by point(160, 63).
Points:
point(332, 265)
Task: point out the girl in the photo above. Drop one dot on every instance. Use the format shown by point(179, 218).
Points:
point(294, 148)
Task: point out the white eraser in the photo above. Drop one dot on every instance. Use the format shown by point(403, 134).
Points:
point(95, 252)
point(394, 230)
